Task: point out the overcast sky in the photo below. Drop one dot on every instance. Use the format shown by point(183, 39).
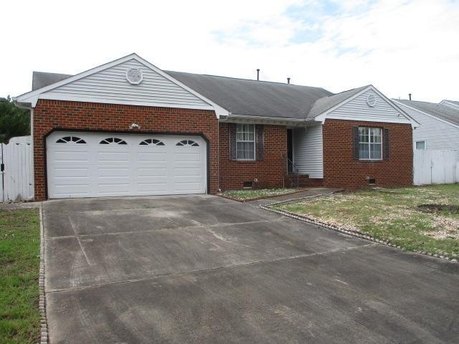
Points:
point(400, 47)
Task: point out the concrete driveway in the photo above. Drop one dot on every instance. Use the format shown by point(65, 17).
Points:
point(204, 269)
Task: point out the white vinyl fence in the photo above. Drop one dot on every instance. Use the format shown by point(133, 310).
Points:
point(16, 170)
point(435, 167)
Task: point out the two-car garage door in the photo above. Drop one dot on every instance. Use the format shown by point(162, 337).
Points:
point(109, 164)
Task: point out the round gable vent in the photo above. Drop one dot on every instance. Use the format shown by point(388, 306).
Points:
point(371, 100)
point(134, 76)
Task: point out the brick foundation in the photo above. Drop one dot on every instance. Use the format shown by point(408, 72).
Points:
point(303, 181)
point(342, 170)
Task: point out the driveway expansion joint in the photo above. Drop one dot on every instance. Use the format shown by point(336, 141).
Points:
point(203, 226)
point(198, 271)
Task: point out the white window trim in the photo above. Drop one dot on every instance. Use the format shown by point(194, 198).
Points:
point(370, 143)
point(416, 145)
point(249, 141)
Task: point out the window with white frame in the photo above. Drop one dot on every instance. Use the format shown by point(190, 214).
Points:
point(370, 143)
point(245, 142)
point(421, 145)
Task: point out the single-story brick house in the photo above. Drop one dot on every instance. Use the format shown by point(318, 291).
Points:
point(130, 128)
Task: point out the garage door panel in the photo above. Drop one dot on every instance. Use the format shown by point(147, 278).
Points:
point(144, 165)
point(81, 157)
point(149, 173)
point(113, 189)
point(152, 156)
point(187, 172)
point(116, 157)
point(107, 172)
point(71, 173)
point(152, 188)
point(71, 190)
point(184, 159)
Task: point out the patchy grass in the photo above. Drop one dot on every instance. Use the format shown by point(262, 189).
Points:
point(19, 261)
point(250, 194)
point(394, 215)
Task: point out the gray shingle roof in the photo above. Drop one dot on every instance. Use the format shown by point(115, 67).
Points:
point(245, 96)
point(450, 103)
point(326, 103)
point(440, 111)
point(43, 79)
point(252, 97)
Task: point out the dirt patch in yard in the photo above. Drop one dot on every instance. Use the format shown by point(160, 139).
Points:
point(439, 208)
point(443, 227)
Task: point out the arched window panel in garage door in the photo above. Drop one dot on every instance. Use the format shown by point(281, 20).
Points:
point(113, 140)
point(71, 139)
point(154, 142)
point(185, 143)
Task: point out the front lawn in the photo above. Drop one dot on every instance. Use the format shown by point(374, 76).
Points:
point(251, 194)
point(417, 218)
point(19, 261)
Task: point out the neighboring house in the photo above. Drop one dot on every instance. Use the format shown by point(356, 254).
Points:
point(439, 124)
point(130, 128)
point(451, 103)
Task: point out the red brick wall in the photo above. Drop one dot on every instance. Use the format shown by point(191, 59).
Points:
point(51, 114)
point(303, 181)
point(269, 171)
point(342, 170)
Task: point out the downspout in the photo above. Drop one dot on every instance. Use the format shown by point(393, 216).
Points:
point(218, 148)
point(32, 143)
point(218, 156)
point(2, 172)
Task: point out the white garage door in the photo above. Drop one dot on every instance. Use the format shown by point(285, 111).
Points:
point(109, 164)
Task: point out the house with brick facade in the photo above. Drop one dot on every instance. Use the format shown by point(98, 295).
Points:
point(128, 128)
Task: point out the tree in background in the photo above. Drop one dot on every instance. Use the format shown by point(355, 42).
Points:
point(14, 121)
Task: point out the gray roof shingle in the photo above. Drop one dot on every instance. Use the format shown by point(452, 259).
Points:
point(245, 96)
point(43, 79)
point(252, 97)
point(440, 111)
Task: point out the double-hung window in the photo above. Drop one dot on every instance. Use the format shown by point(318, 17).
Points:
point(245, 142)
point(370, 143)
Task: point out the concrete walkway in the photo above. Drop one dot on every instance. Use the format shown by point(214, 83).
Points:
point(296, 196)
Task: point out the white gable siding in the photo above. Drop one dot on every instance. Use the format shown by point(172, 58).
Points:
point(358, 109)
point(308, 151)
point(110, 85)
point(437, 134)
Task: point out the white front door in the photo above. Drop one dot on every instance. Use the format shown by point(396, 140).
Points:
point(86, 164)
